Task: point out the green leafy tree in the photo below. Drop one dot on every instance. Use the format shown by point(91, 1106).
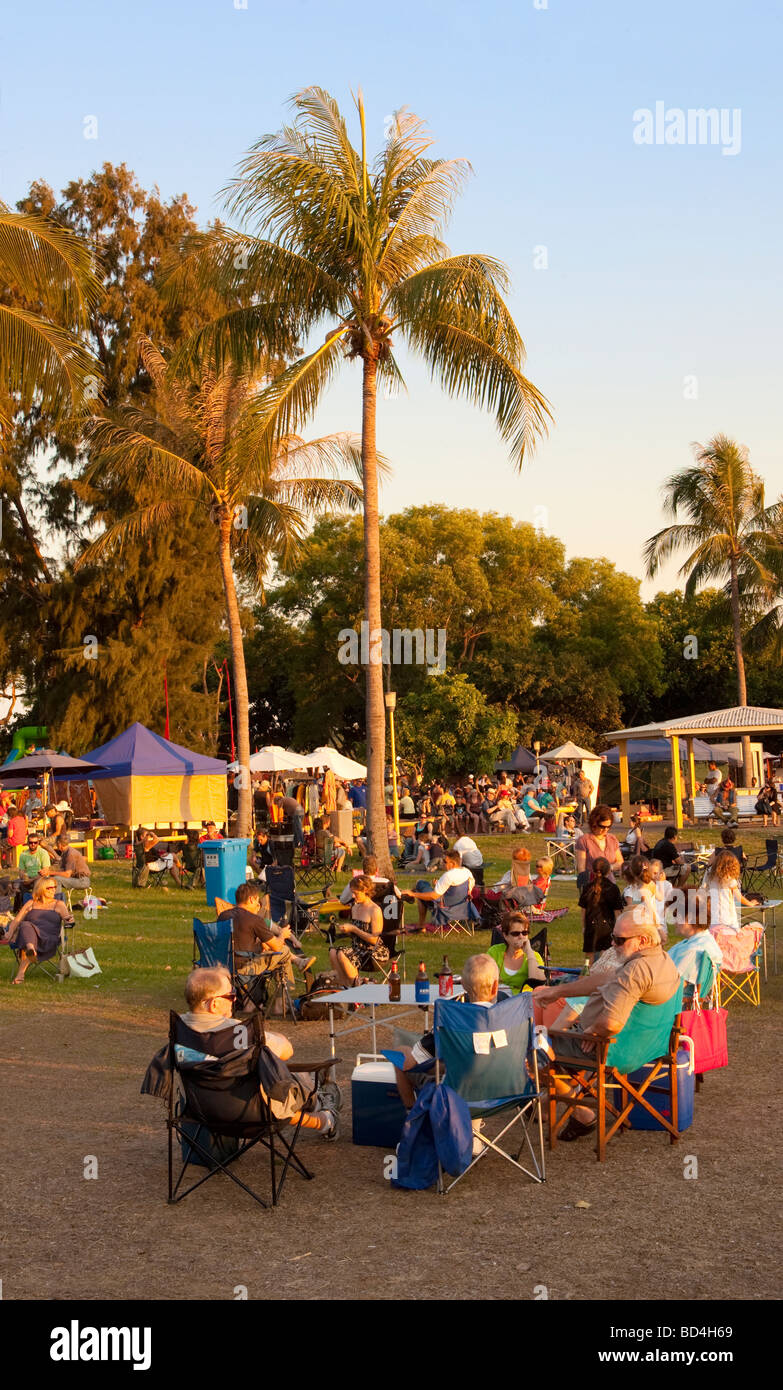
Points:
point(447, 727)
point(726, 534)
point(253, 505)
point(356, 248)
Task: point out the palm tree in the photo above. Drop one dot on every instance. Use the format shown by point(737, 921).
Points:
point(727, 535)
point(183, 449)
point(354, 251)
point(47, 288)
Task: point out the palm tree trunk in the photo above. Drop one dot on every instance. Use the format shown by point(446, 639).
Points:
point(241, 699)
point(374, 702)
point(742, 689)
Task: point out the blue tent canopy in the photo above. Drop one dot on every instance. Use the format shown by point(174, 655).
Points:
point(657, 750)
point(138, 752)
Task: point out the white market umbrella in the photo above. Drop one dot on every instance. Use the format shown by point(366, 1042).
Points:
point(569, 752)
point(273, 758)
point(341, 766)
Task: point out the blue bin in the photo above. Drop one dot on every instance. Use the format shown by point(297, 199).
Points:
point(658, 1095)
point(225, 862)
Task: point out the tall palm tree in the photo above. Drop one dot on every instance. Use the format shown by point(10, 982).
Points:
point(353, 250)
point(47, 288)
point(727, 535)
point(183, 449)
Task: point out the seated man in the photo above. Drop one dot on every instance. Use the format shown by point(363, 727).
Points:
point(469, 852)
point(674, 866)
point(210, 832)
point(262, 853)
point(255, 936)
point(34, 861)
point(480, 982)
point(330, 849)
point(454, 874)
point(646, 976)
point(210, 999)
point(73, 871)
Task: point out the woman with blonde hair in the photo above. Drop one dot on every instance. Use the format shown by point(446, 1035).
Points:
point(36, 928)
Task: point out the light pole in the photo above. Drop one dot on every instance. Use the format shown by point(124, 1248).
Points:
point(391, 704)
point(537, 750)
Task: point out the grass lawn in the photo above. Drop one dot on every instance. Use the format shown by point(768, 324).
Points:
point(143, 940)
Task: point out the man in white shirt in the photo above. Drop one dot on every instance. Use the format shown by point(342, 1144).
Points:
point(469, 852)
point(454, 874)
point(712, 780)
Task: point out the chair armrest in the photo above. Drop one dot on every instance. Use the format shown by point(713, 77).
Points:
point(296, 1066)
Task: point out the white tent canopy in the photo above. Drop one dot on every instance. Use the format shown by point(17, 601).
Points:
point(340, 765)
point(273, 758)
point(570, 752)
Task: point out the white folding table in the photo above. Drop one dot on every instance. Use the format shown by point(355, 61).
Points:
point(374, 995)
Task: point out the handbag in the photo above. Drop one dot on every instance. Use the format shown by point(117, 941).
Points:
point(83, 964)
point(707, 1030)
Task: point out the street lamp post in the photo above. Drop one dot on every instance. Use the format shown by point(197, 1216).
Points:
point(391, 704)
point(537, 750)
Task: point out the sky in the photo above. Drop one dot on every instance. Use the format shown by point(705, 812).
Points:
point(646, 276)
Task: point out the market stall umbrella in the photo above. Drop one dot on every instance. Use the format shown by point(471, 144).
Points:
point(273, 758)
point(341, 766)
point(45, 761)
point(569, 752)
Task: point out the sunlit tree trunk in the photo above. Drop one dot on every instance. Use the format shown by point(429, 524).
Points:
point(374, 704)
point(742, 688)
point(241, 699)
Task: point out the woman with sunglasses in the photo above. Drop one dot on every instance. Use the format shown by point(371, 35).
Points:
point(519, 966)
point(35, 930)
point(597, 843)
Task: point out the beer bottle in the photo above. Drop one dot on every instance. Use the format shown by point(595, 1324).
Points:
point(445, 980)
point(395, 984)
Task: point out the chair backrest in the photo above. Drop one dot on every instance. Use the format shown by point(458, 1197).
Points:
point(456, 901)
point(645, 1036)
point(214, 943)
point(484, 1046)
point(281, 887)
point(772, 854)
point(218, 1070)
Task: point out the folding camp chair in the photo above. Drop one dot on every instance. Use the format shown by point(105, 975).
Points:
point(766, 863)
point(213, 945)
point(740, 979)
point(215, 1099)
point(649, 1040)
point(484, 1049)
point(57, 952)
point(287, 906)
point(455, 912)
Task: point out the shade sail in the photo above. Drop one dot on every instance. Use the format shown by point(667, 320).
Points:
point(273, 758)
point(658, 750)
point(339, 764)
point(139, 752)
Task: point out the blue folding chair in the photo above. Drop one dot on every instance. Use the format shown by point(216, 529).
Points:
point(213, 946)
point(455, 912)
point(483, 1049)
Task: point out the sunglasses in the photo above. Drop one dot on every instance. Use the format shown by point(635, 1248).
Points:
point(231, 995)
point(517, 933)
point(606, 825)
point(620, 940)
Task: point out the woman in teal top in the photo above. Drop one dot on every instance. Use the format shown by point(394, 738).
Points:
point(519, 966)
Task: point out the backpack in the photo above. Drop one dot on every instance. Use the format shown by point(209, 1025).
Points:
point(312, 1007)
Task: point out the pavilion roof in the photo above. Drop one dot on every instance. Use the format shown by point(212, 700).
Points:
point(741, 719)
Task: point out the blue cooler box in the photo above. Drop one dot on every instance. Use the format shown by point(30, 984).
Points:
point(658, 1095)
point(378, 1112)
point(225, 862)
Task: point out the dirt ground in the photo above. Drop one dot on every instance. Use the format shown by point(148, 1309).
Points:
point(71, 1075)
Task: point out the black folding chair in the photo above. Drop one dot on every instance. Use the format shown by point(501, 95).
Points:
point(763, 864)
point(218, 1112)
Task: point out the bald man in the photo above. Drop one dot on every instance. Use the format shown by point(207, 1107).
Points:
point(645, 975)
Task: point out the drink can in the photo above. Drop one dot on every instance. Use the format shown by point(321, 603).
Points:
point(445, 985)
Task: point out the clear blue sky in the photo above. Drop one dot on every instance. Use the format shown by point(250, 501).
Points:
point(664, 260)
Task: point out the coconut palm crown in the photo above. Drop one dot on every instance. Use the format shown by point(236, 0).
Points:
point(348, 255)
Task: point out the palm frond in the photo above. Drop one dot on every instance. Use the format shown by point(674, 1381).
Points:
point(125, 454)
point(44, 363)
point(137, 523)
point(48, 263)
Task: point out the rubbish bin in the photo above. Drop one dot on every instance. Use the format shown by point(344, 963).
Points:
point(224, 868)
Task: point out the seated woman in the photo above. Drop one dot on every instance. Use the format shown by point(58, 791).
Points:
point(35, 930)
point(635, 842)
point(367, 950)
point(519, 966)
